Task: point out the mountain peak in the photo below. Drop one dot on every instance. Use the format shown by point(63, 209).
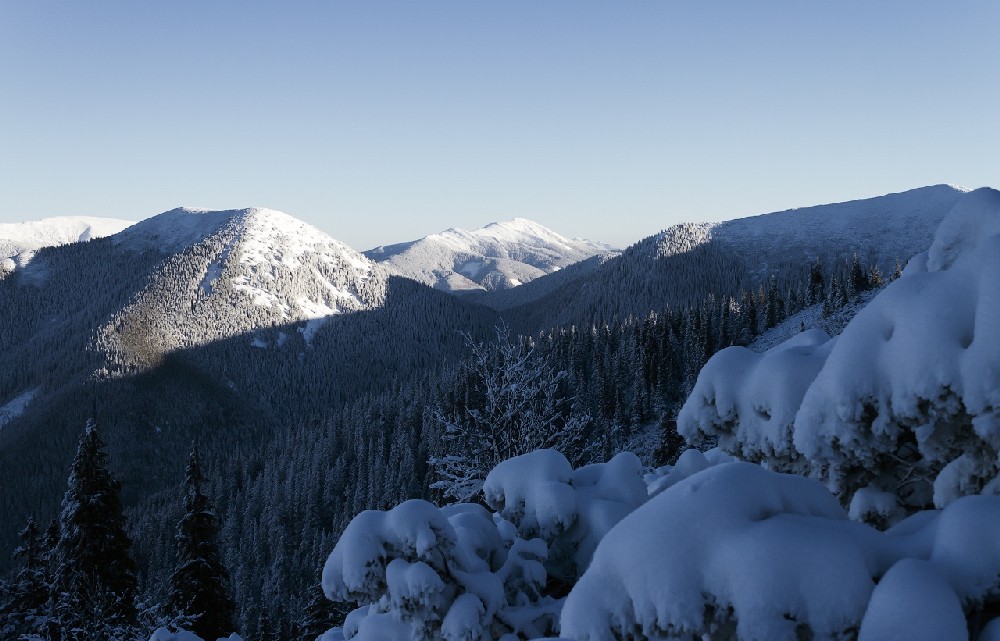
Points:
point(499, 255)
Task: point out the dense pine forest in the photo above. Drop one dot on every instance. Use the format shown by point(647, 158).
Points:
point(247, 526)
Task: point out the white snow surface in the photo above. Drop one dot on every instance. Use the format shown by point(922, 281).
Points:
point(737, 551)
point(913, 602)
point(163, 634)
point(919, 364)
point(498, 256)
point(61, 230)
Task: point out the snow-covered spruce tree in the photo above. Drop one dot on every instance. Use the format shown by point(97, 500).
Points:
point(23, 609)
point(463, 573)
point(199, 587)
point(518, 403)
point(94, 588)
point(320, 615)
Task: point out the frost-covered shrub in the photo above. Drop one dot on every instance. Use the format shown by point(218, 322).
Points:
point(735, 548)
point(904, 401)
point(570, 510)
point(747, 401)
point(462, 573)
point(740, 552)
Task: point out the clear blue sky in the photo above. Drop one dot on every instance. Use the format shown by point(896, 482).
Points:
point(384, 121)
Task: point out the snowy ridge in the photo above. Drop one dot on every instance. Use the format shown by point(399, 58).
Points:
point(19, 241)
point(498, 256)
point(686, 263)
point(883, 228)
point(176, 229)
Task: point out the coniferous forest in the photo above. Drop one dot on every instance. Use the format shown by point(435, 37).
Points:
point(236, 539)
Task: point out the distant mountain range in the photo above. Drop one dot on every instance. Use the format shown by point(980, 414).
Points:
point(18, 241)
point(498, 256)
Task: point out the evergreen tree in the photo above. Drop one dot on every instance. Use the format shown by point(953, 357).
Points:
point(773, 304)
point(897, 271)
point(875, 279)
point(817, 283)
point(94, 576)
point(857, 281)
point(265, 631)
point(23, 607)
point(199, 587)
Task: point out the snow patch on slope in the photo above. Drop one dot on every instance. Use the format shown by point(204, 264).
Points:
point(15, 407)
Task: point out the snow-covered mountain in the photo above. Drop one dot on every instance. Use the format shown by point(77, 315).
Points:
point(239, 271)
point(498, 256)
point(218, 326)
point(687, 262)
point(19, 241)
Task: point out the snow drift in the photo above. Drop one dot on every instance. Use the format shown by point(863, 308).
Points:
point(737, 551)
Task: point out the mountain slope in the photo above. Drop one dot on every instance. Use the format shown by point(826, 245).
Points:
point(498, 256)
point(687, 262)
point(18, 241)
point(234, 272)
point(221, 327)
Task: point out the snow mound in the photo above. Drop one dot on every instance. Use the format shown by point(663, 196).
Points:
point(748, 401)
point(734, 546)
point(569, 509)
point(163, 634)
point(916, 375)
point(913, 602)
point(903, 401)
point(737, 551)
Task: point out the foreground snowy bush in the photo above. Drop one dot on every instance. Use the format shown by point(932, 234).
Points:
point(903, 402)
point(736, 551)
point(462, 573)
